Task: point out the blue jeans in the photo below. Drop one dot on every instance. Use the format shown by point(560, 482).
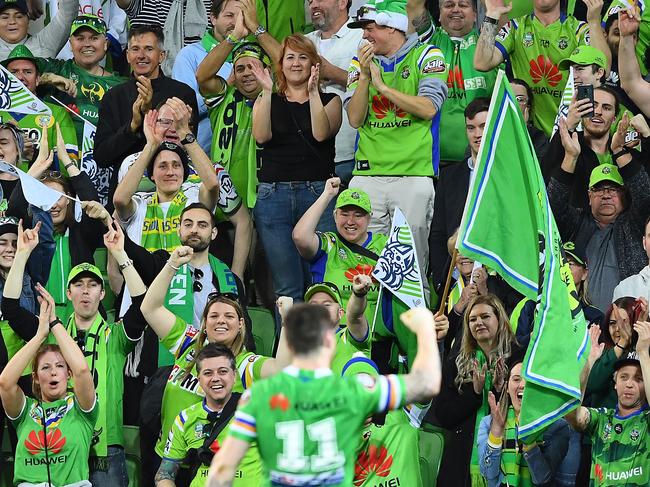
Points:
point(115, 475)
point(279, 207)
point(344, 170)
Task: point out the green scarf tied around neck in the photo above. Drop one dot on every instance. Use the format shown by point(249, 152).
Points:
point(159, 230)
point(474, 470)
point(513, 463)
point(96, 353)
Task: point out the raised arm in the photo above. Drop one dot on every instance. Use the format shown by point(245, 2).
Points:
point(243, 224)
point(487, 56)
point(596, 32)
point(160, 319)
point(225, 462)
point(628, 65)
point(325, 120)
point(423, 381)
point(283, 356)
point(262, 108)
point(643, 348)
point(304, 233)
point(27, 242)
point(357, 105)
point(419, 19)
point(356, 320)
point(266, 40)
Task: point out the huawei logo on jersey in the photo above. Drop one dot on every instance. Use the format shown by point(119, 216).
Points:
point(371, 460)
point(543, 68)
point(455, 78)
point(359, 269)
point(35, 442)
point(279, 401)
point(215, 446)
point(598, 471)
point(382, 106)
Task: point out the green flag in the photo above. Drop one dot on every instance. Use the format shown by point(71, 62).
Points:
point(508, 226)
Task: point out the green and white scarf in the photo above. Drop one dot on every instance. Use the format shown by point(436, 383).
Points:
point(474, 470)
point(57, 282)
point(513, 463)
point(158, 230)
point(96, 353)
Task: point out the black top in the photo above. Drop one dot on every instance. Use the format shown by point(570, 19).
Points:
point(293, 154)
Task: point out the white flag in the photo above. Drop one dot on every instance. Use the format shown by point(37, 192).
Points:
point(16, 98)
point(563, 109)
point(397, 268)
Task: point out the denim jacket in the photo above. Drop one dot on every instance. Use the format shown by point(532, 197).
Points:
point(543, 460)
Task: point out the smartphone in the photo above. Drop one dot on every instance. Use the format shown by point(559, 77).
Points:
point(586, 91)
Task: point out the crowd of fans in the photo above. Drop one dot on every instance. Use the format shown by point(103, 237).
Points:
point(214, 156)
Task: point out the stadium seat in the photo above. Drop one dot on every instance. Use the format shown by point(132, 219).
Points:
point(132, 453)
point(432, 443)
point(6, 461)
point(263, 330)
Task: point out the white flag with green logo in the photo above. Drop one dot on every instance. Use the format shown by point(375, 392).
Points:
point(16, 98)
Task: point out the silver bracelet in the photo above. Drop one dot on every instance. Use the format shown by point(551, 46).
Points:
point(170, 265)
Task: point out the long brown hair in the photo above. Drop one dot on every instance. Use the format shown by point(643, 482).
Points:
point(55, 177)
point(43, 349)
point(468, 347)
point(298, 43)
point(238, 345)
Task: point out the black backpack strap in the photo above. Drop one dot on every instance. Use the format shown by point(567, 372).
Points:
point(358, 249)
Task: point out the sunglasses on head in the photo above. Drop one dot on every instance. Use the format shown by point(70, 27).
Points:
point(217, 294)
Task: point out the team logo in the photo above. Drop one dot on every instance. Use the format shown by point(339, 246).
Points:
point(542, 68)
point(434, 66)
point(528, 39)
point(382, 106)
point(94, 92)
point(634, 434)
point(406, 72)
point(607, 431)
point(396, 265)
point(606, 170)
point(359, 269)
point(36, 442)
point(455, 78)
point(353, 76)
point(563, 43)
point(372, 460)
point(279, 401)
point(342, 254)
point(198, 430)
point(45, 121)
point(618, 428)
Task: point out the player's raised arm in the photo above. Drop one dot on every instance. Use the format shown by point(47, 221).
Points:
point(423, 381)
point(487, 56)
point(225, 462)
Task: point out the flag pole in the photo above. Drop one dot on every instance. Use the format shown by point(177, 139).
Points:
point(445, 293)
point(374, 318)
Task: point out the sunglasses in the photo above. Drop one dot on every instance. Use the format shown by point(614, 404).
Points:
point(217, 294)
point(197, 285)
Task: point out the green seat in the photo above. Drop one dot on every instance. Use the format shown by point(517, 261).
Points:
point(132, 453)
point(263, 330)
point(6, 461)
point(432, 443)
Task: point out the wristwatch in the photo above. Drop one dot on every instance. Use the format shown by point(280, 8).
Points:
point(189, 138)
point(259, 31)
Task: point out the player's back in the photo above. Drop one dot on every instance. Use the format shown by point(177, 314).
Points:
point(308, 423)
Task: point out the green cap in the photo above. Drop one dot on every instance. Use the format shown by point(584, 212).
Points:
point(21, 51)
point(250, 49)
point(90, 21)
point(605, 172)
point(574, 253)
point(585, 55)
point(354, 197)
point(327, 288)
point(78, 271)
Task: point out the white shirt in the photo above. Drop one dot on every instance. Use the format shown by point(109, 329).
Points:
point(635, 286)
point(339, 50)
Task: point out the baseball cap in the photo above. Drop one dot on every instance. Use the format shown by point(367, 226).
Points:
point(575, 253)
point(90, 21)
point(251, 49)
point(605, 172)
point(8, 224)
point(21, 51)
point(20, 5)
point(388, 13)
point(585, 55)
point(324, 287)
point(178, 149)
point(354, 197)
point(85, 269)
point(632, 358)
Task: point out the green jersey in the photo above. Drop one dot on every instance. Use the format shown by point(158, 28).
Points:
point(31, 126)
point(348, 349)
point(643, 41)
point(67, 435)
point(190, 429)
point(389, 454)
point(620, 448)
point(534, 51)
point(464, 83)
point(393, 142)
point(182, 389)
point(336, 263)
point(233, 144)
point(308, 423)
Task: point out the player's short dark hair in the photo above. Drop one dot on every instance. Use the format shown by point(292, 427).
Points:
point(200, 206)
point(142, 29)
point(214, 350)
point(607, 89)
point(476, 106)
point(305, 326)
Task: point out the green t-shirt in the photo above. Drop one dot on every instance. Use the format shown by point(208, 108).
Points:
point(281, 17)
point(308, 423)
point(464, 83)
point(69, 431)
point(534, 51)
point(31, 127)
point(347, 348)
point(391, 141)
point(189, 431)
point(183, 390)
point(620, 448)
point(233, 144)
point(334, 262)
point(389, 454)
point(644, 27)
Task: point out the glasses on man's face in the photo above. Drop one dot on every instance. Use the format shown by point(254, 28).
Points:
point(522, 100)
point(602, 190)
point(197, 285)
point(165, 122)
